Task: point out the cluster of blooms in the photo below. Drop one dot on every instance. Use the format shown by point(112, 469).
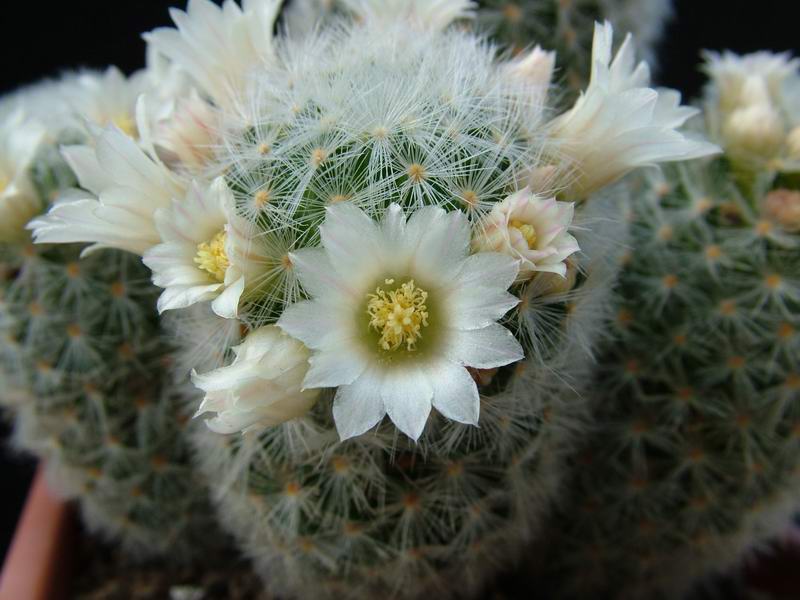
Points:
point(260, 175)
point(751, 110)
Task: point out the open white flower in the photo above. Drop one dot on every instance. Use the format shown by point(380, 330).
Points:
point(219, 46)
point(399, 311)
point(108, 98)
point(531, 229)
point(205, 253)
point(122, 187)
point(262, 387)
point(619, 123)
point(435, 15)
point(19, 141)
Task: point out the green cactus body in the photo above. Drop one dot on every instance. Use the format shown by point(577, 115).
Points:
point(86, 375)
point(696, 450)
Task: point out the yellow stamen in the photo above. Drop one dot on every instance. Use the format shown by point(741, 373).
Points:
point(398, 315)
point(212, 258)
point(527, 231)
point(4, 181)
point(127, 125)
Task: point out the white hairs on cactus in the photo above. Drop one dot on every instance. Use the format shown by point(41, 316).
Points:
point(20, 138)
point(619, 123)
point(432, 14)
point(430, 312)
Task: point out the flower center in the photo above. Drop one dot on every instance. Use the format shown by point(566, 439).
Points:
point(126, 124)
point(398, 315)
point(212, 258)
point(527, 231)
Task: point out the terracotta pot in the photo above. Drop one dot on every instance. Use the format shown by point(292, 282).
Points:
point(38, 564)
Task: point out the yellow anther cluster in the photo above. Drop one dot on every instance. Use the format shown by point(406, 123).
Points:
point(212, 258)
point(398, 315)
point(127, 125)
point(527, 231)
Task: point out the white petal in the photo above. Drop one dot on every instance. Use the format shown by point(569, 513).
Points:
point(487, 269)
point(477, 306)
point(358, 407)
point(312, 322)
point(407, 394)
point(83, 161)
point(455, 393)
point(443, 241)
point(183, 296)
point(340, 365)
point(487, 348)
point(226, 305)
point(351, 240)
point(316, 273)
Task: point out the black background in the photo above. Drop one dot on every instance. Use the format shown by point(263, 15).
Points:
point(41, 39)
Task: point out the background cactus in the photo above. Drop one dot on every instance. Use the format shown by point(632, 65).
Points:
point(86, 371)
point(695, 454)
point(566, 26)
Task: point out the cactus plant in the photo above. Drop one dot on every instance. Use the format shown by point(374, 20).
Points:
point(695, 456)
point(86, 369)
point(366, 196)
point(564, 26)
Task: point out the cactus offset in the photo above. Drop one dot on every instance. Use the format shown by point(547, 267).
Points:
point(87, 371)
point(694, 459)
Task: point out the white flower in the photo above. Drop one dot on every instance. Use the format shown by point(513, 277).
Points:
point(533, 230)
point(755, 132)
point(219, 46)
point(123, 186)
point(428, 14)
point(186, 136)
point(530, 74)
point(262, 387)
point(205, 253)
point(19, 141)
point(730, 74)
point(399, 311)
point(108, 98)
point(618, 123)
point(534, 67)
